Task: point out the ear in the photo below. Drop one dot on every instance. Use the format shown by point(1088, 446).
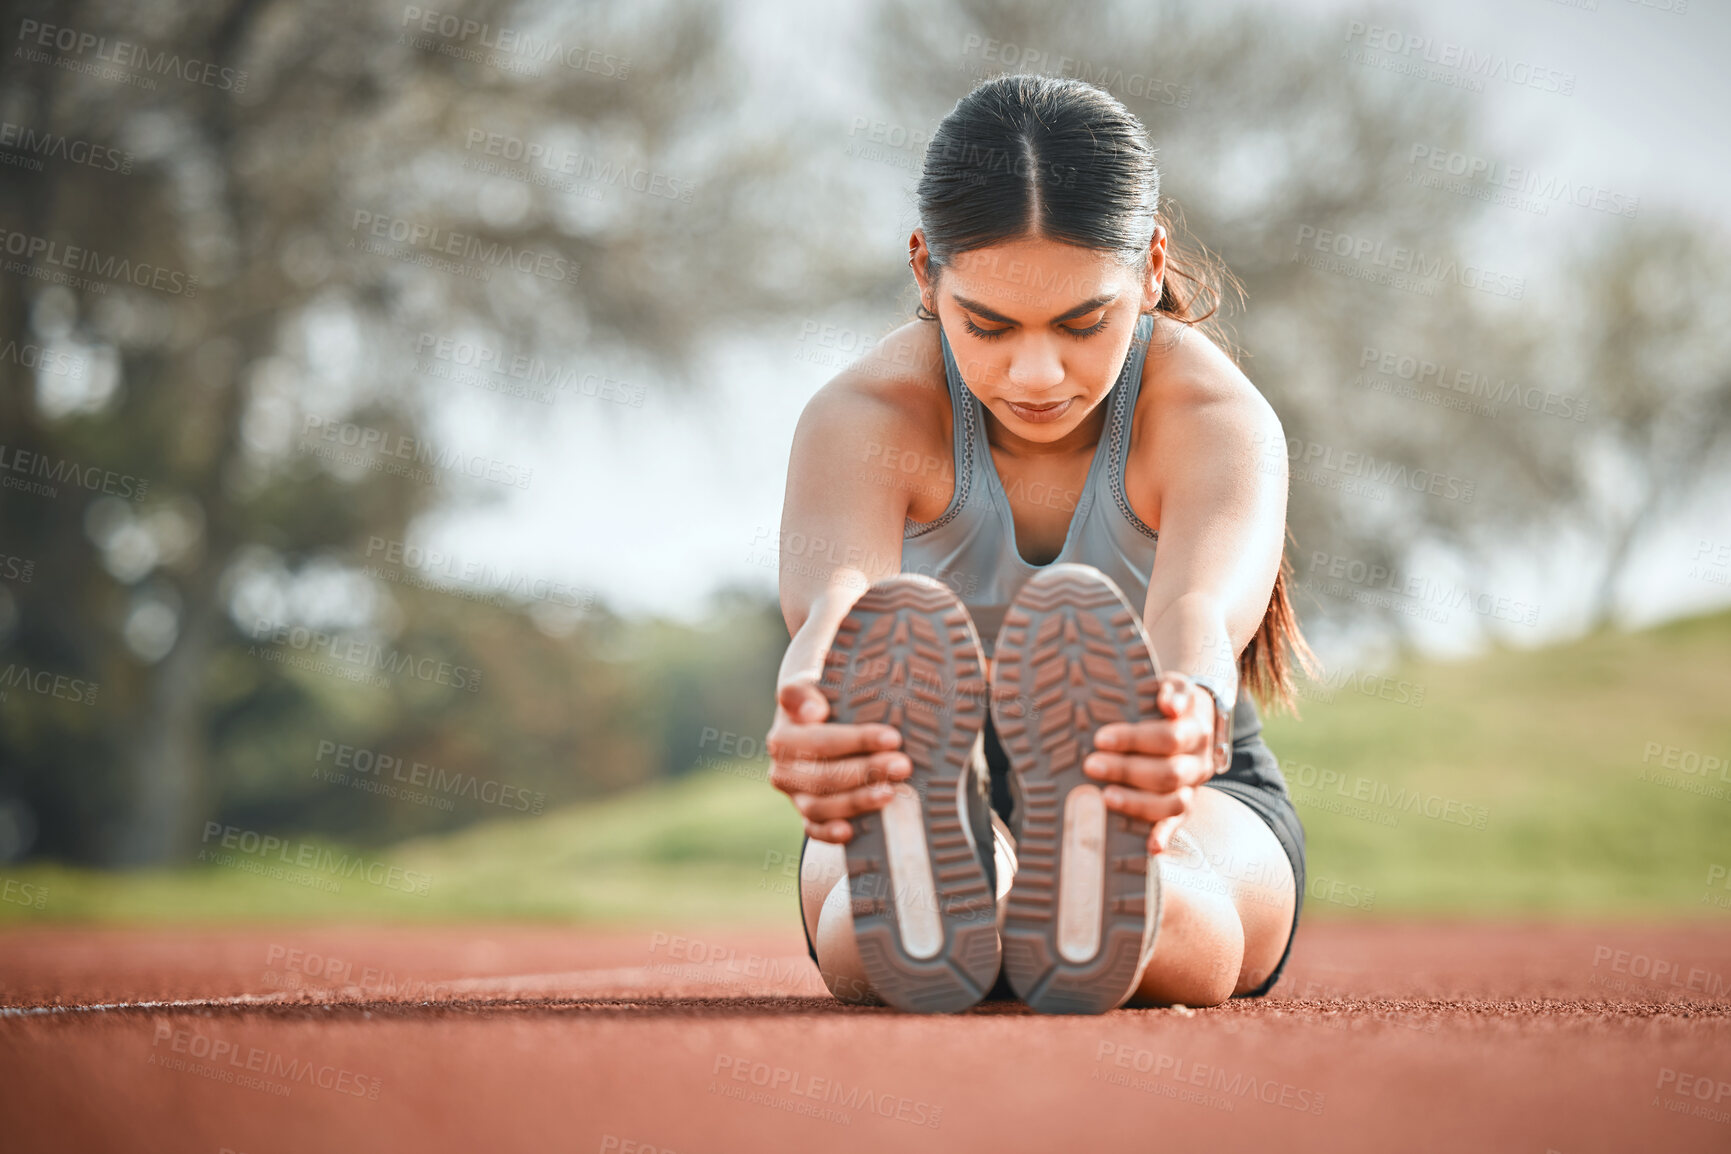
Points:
point(919, 259)
point(1154, 284)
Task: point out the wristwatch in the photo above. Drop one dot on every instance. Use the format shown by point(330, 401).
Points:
point(1222, 724)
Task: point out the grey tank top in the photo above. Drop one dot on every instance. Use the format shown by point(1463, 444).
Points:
point(971, 546)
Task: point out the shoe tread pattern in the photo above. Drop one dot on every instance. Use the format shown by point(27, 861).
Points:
point(907, 655)
point(1071, 656)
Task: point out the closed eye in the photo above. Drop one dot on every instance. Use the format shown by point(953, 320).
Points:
point(993, 334)
point(1090, 330)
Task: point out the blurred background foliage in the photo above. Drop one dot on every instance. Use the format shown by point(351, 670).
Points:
point(208, 397)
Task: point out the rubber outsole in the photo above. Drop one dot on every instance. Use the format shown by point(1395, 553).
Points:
point(907, 655)
point(1072, 656)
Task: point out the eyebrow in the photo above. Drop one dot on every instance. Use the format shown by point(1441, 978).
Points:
point(1080, 310)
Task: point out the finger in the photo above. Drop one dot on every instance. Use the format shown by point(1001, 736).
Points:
point(1151, 774)
point(1154, 738)
point(1150, 807)
point(829, 740)
point(840, 832)
point(1173, 696)
point(1160, 837)
point(848, 803)
point(833, 775)
point(803, 702)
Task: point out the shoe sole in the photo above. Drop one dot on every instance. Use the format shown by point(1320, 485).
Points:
point(1072, 656)
point(924, 916)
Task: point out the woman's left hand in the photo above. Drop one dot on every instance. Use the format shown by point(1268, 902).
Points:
point(1152, 768)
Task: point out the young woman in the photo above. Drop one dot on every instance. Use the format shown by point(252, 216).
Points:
point(972, 510)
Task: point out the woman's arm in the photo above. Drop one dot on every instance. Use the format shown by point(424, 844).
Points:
point(1222, 529)
point(841, 529)
point(1222, 518)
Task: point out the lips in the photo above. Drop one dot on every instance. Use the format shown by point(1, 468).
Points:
point(1039, 414)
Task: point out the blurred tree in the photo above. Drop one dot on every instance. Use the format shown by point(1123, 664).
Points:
point(346, 187)
point(1647, 324)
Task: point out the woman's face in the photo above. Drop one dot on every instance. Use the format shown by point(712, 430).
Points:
point(1039, 329)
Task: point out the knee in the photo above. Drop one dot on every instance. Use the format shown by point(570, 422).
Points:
point(821, 864)
point(1199, 948)
point(838, 956)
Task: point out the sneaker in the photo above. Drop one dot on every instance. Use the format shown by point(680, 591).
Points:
point(1085, 903)
point(924, 914)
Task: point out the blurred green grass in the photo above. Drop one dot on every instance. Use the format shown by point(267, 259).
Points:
point(1543, 748)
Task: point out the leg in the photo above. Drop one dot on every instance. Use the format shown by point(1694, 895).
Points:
point(824, 899)
point(1228, 899)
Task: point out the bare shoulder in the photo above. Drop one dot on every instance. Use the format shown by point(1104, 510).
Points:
point(893, 395)
point(1193, 393)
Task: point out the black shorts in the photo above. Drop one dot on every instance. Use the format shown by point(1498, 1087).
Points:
point(1254, 779)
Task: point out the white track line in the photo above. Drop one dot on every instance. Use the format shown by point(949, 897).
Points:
point(508, 986)
point(178, 1004)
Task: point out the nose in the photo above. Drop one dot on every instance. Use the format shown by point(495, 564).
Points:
point(1035, 366)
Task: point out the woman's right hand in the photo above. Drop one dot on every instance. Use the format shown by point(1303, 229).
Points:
point(830, 771)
